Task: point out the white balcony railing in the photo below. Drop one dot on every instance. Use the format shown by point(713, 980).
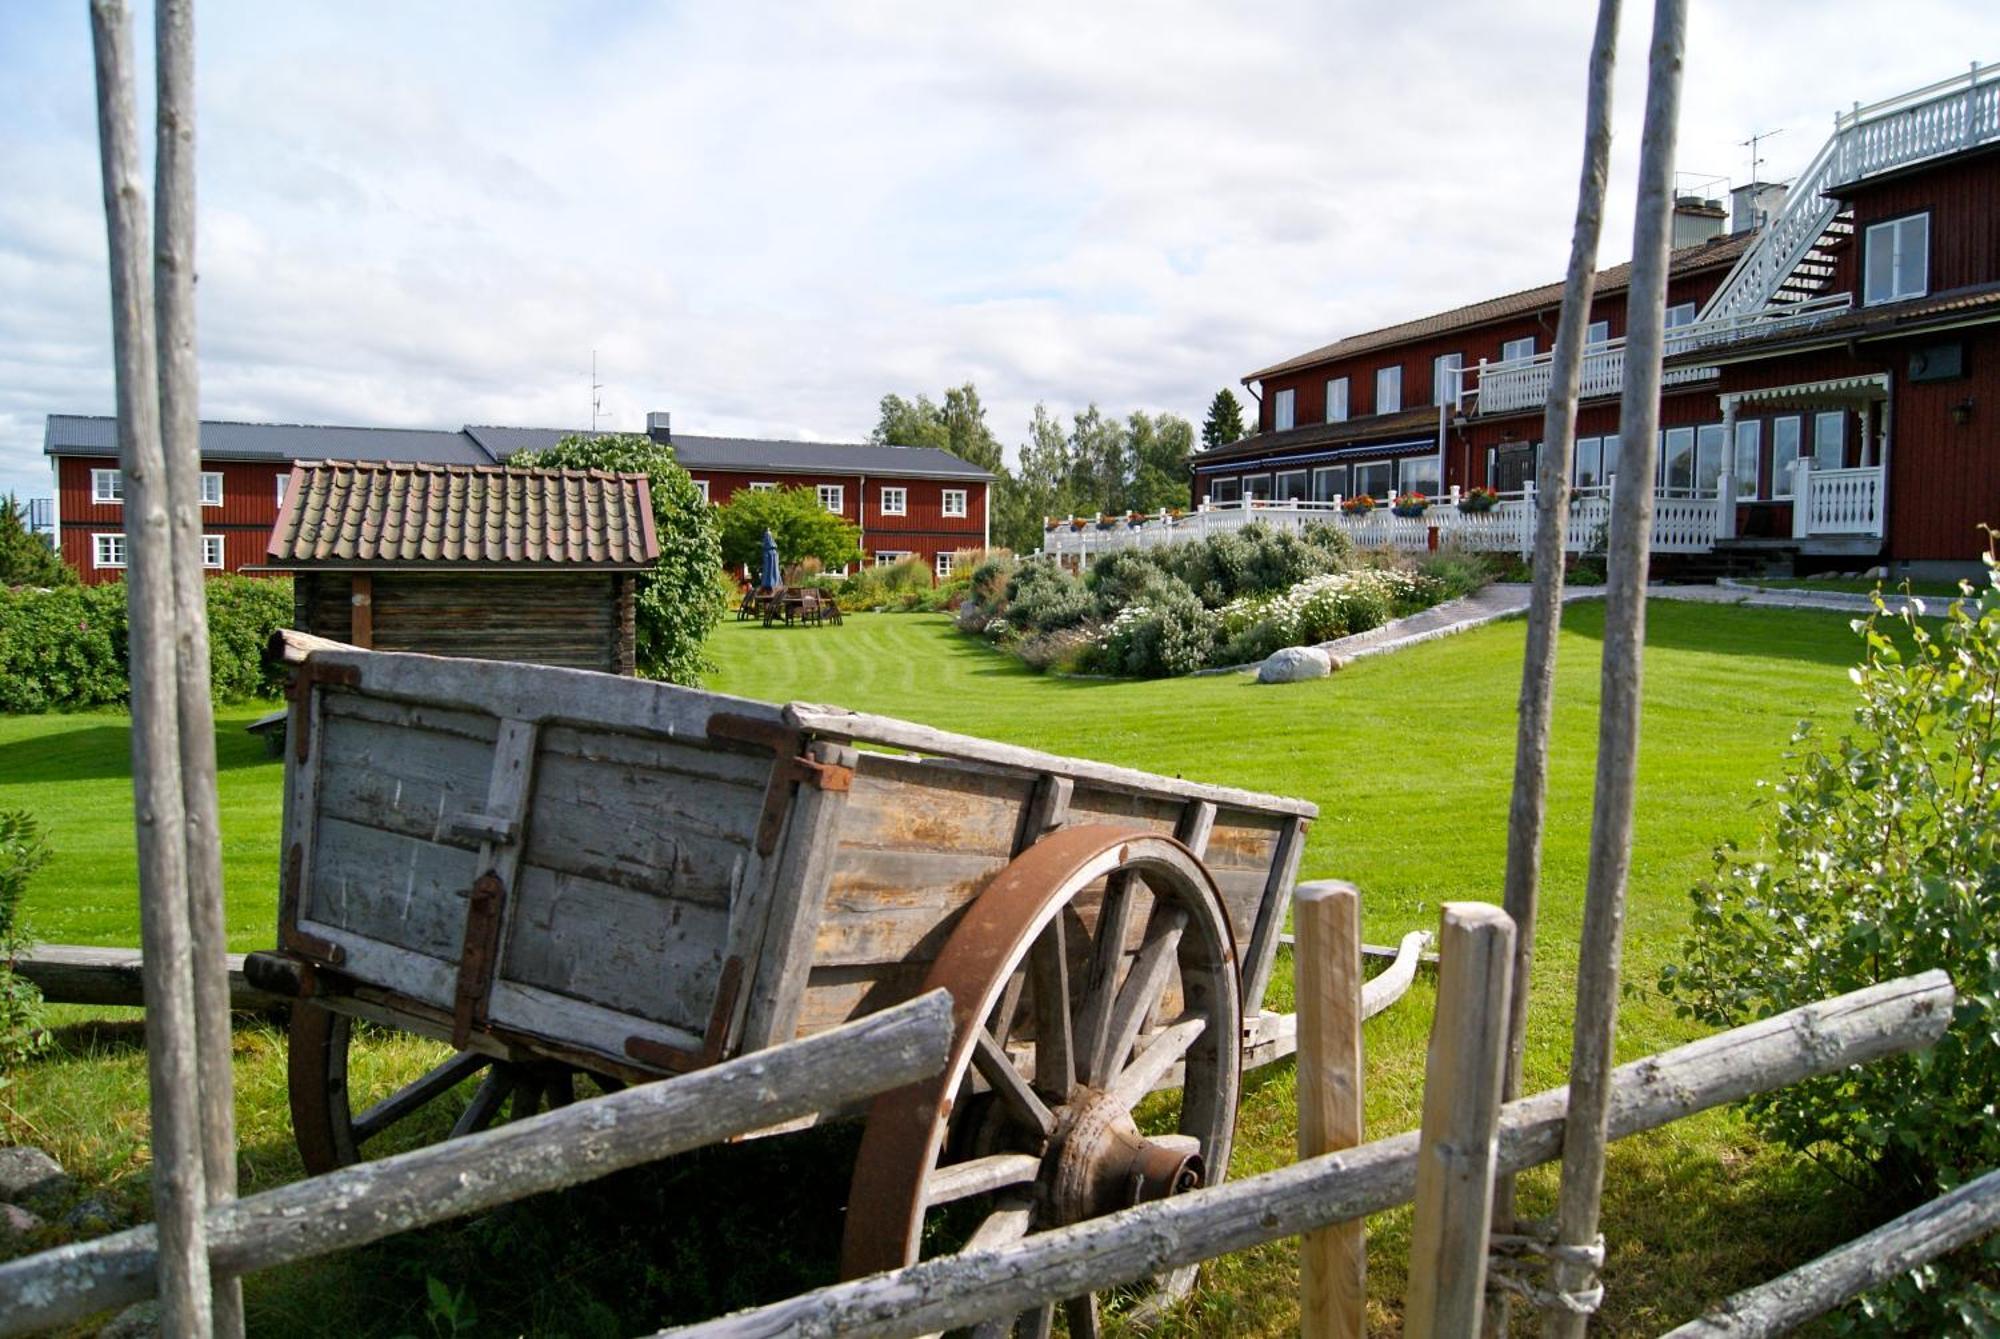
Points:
point(1684, 521)
point(1523, 383)
point(1839, 502)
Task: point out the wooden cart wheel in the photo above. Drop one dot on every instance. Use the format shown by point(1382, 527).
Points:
point(1010, 1140)
point(330, 1132)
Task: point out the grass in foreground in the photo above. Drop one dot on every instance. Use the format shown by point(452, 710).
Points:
point(1409, 758)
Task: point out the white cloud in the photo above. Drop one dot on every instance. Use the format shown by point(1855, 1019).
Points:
point(763, 218)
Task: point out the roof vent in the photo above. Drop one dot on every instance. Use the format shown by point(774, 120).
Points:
point(659, 425)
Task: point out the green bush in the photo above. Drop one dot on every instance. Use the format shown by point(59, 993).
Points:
point(802, 527)
point(1043, 597)
point(1170, 634)
point(22, 852)
point(25, 557)
point(1886, 861)
point(64, 649)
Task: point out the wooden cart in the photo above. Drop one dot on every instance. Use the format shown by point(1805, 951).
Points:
point(561, 872)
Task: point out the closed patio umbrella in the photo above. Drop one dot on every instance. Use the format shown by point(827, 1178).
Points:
point(770, 581)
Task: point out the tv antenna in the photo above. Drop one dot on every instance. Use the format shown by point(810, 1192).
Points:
point(596, 400)
point(1752, 144)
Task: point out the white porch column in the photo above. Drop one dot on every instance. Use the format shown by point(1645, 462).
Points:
point(1725, 515)
point(1801, 497)
point(1530, 518)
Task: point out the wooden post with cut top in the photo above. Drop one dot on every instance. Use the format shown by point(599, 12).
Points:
point(1326, 920)
point(1457, 1150)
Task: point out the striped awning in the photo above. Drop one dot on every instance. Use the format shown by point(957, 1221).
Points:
point(1843, 392)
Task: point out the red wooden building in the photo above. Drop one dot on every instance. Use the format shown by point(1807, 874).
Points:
point(908, 501)
point(1832, 388)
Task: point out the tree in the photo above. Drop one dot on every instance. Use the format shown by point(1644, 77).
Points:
point(795, 518)
point(679, 600)
point(25, 560)
point(1224, 423)
point(1158, 448)
point(958, 427)
point(909, 423)
point(1097, 460)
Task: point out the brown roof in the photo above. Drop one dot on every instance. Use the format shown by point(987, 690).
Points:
point(1687, 260)
point(1422, 421)
point(1955, 307)
point(371, 514)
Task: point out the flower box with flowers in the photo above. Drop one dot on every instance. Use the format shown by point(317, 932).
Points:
point(1475, 500)
point(1106, 522)
point(1410, 505)
point(1359, 505)
point(1078, 523)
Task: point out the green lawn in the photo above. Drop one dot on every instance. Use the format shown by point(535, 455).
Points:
point(74, 773)
point(1409, 758)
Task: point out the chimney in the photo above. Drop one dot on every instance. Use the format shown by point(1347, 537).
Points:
point(1697, 220)
point(1754, 206)
point(660, 426)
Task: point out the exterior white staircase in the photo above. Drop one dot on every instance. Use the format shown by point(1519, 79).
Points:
point(1793, 260)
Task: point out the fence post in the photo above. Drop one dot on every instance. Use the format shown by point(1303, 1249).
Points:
point(1725, 503)
point(1802, 497)
point(1527, 520)
point(1326, 919)
point(1456, 1149)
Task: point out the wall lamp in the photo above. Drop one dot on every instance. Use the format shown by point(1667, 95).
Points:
point(1961, 413)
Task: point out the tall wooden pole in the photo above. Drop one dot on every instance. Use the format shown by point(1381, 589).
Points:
point(1333, 1269)
point(180, 431)
point(1596, 1026)
point(179, 1186)
point(1528, 809)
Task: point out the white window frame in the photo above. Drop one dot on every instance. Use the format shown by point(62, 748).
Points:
point(1336, 400)
point(1750, 439)
point(763, 486)
point(1822, 439)
point(1389, 389)
point(1304, 478)
point(701, 484)
point(1354, 477)
point(285, 481)
point(943, 564)
point(1895, 233)
point(1443, 383)
point(1216, 489)
point(1781, 462)
point(1430, 486)
point(107, 489)
point(1513, 350)
point(957, 502)
point(1587, 462)
point(1284, 409)
point(110, 543)
point(1711, 456)
point(1676, 439)
point(833, 497)
point(211, 496)
point(890, 557)
point(1325, 472)
point(1597, 332)
point(895, 501)
point(1680, 314)
point(212, 543)
point(1257, 486)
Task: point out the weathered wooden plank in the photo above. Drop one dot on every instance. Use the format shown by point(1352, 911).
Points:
point(579, 1024)
point(76, 974)
point(1333, 1261)
point(909, 804)
point(610, 946)
point(793, 902)
point(382, 885)
point(1196, 826)
point(1455, 1149)
point(866, 728)
point(678, 757)
point(1261, 950)
point(835, 995)
point(1844, 1273)
point(1243, 841)
point(1150, 1239)
point(397, 778)
point(429, 718)
point(582, 1142)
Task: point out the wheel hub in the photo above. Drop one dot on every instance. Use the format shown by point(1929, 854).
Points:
point(1102, 1163)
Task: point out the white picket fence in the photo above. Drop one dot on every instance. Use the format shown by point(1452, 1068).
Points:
point(1684, 521)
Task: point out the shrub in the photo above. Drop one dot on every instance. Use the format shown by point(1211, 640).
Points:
point(679, 602)
point(22, 852)
point(1170, 635)
point(1885, 861)
point(802, 527)
point(25, 557)
point(243, 612)
point(1455, 571)
point(1043, 597)
point(1064, 650)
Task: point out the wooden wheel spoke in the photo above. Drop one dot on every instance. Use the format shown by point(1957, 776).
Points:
point(1159, 1055)
point(560, 1090)
point(1144, 985)
point(1001, 1024)
point(486, 1099)
point(417, 1093)
point(1114, 922)
point(1008, 1223)
point(977, 1176)
point(1081, 1313)
point(1015, 1093)
point(1055, 1043)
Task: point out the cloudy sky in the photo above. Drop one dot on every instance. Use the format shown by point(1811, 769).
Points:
point(763, 217)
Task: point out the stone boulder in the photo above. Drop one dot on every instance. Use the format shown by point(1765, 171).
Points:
point(1295, 664)
point(26, 1173)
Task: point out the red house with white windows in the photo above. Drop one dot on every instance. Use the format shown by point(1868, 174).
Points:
point(1832, 381)
point(909, 501)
